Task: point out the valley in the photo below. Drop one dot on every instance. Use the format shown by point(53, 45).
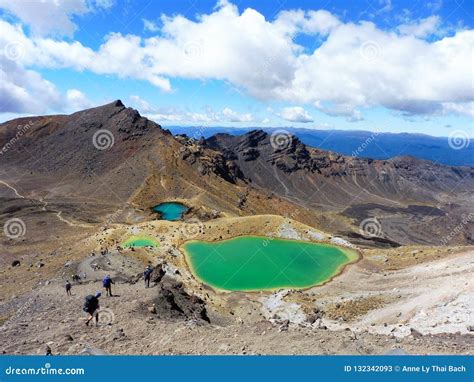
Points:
point(72, 204)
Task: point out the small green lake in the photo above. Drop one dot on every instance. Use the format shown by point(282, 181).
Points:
point(140, 241)
point(252, 263)
point(170, 210)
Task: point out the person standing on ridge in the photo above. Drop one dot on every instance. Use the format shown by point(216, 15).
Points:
point(68, 287)
point(107, 283)
point(91, 305)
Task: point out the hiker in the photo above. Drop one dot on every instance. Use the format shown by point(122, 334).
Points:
point(147, 275)
point(107, 283)
point(91, 305)
point(160, 272)
point(68, 287)
point(75, 278)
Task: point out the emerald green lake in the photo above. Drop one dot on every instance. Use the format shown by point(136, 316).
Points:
point(140, 241)
point(170, 210)
point(251, 263)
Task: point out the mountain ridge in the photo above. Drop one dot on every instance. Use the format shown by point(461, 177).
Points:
point(237, 175)
point(363, 143)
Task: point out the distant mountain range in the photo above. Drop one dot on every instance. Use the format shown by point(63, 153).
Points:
point(363, 144)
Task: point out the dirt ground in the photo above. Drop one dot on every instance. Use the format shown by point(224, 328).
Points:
point(406, 300)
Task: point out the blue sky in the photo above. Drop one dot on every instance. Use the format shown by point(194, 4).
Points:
point(380, 65)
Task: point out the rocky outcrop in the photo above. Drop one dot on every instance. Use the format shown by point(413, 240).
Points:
point(174, 302)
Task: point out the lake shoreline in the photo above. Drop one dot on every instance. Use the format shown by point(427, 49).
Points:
point(352, 255)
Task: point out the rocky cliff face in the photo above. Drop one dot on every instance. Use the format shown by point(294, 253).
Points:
point(413, 200)
point(294, 164)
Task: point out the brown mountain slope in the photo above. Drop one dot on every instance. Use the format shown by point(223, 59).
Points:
point(110, 165)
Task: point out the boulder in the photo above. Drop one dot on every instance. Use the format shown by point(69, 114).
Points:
point(415, 333)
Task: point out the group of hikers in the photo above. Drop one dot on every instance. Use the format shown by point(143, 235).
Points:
point(91, 304)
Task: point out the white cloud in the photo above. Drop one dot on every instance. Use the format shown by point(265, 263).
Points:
point(345, 110)
point(232, 116)
point(356, 65)
point(52, 16)
point(150, 26)
point(420, 28)
point(386, 6)
point(139, 103)
point(76, 100)
point(435, 5)
point(310, 22)
point(466, 108)
point(171, 114)
point(24, 91)
point(175, 115)
point(295, 114)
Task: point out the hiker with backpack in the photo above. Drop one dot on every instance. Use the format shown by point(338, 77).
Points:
point(68, 287)
point(91, 305)
point(147, 275)
point(107, 283)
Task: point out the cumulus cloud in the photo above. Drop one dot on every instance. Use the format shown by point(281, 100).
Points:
point(139, 103)
point(319, 22)
point(466, 108)
point(175, 115)
point(356, 65)
point(52, 16)
point(172, 115)
point(150, 26)
point(295, 114)
point(348, 111)
point(24, 91)
point(232, 116)
point(420, 28)
point(76, 100)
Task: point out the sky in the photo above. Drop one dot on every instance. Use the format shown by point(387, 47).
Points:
point(377, 65)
